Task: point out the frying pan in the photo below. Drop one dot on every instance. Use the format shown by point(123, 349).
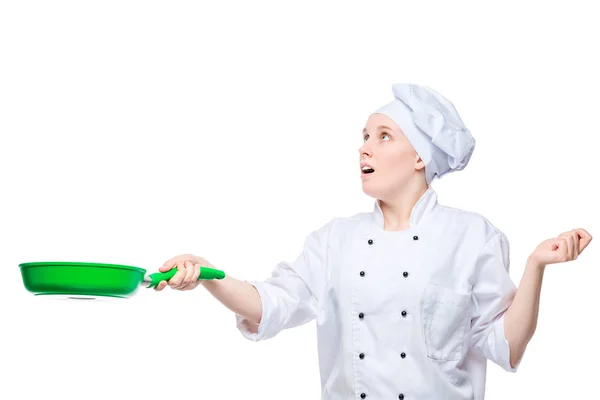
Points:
point(83, 280)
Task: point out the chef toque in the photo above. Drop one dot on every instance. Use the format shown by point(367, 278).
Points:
point(433, 126)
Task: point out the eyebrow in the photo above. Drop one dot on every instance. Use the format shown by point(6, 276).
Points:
point(379, 128)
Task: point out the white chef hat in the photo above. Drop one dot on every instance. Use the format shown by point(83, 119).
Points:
point(433, 126)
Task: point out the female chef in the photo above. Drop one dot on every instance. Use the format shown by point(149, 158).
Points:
point(411, 299)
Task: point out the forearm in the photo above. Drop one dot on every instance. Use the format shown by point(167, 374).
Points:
point(520, 320)
point(239, 296)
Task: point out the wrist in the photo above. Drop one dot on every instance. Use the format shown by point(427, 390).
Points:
point(203, 281)
point(207, 282)
point(536, 265)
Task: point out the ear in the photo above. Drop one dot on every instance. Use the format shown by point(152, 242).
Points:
point(419, 164)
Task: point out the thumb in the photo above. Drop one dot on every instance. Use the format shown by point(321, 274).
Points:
point(167, 266)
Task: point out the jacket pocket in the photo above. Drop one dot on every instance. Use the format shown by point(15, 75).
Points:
point(445, 319)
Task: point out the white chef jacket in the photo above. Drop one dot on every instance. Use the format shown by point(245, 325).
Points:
point(411, 314)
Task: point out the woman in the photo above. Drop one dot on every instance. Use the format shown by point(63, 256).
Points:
point(411, 299)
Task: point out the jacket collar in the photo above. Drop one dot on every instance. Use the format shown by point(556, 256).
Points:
point(422, 208)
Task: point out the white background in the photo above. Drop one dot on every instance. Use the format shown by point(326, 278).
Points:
point(136, 131)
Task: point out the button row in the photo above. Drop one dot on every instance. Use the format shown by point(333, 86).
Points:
point(364, 395)
point(362, 315)
point(404, 274)
point(370, 241)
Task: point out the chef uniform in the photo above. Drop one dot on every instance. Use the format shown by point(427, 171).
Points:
point(409, 314)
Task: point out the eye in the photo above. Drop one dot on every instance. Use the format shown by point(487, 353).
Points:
point(386, 134)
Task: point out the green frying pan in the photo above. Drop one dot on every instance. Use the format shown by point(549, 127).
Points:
point(77, 280)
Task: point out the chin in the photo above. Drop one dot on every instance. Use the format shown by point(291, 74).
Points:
point(369, 190)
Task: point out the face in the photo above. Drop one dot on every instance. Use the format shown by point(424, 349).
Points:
point(390, 154)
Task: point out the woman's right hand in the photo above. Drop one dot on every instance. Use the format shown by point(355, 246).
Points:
point(239, 296)
point(188, 270)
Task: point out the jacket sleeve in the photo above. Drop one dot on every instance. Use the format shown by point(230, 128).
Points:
point(493, 292)
point(290, 296)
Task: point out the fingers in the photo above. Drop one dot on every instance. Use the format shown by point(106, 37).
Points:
point(193, 280)
point(570, 245)
point(176, 281)
point(169, 264)
point(585, 238)
point(575, 237)
point(573, 241)
point(188, 270)
point(577, 241)
point(189, 274)
point(197, 269)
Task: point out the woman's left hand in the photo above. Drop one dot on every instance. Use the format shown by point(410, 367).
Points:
point(566, 247)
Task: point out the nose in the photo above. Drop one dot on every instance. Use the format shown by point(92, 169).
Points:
point(365, 149)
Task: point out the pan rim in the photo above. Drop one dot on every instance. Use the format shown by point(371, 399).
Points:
point(80, 264)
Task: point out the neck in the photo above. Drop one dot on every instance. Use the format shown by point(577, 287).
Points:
point(397, 209)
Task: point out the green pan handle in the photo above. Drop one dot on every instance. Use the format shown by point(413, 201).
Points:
point(205, 273)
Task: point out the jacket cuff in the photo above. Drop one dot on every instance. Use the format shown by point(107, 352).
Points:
point(248, 328)
point(498, 342)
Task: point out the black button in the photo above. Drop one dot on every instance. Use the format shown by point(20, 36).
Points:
point(401, 396)
point(361, 355)
point(362, 273)
point(404, 313)
point(370, 241)
point(405, 274)
point(403, 355)
point(361, 315)
point(362, 395)
point(415, 238)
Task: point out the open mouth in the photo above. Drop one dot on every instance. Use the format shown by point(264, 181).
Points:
point(367, 170)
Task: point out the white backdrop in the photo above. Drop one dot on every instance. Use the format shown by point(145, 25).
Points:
point(135, 131)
